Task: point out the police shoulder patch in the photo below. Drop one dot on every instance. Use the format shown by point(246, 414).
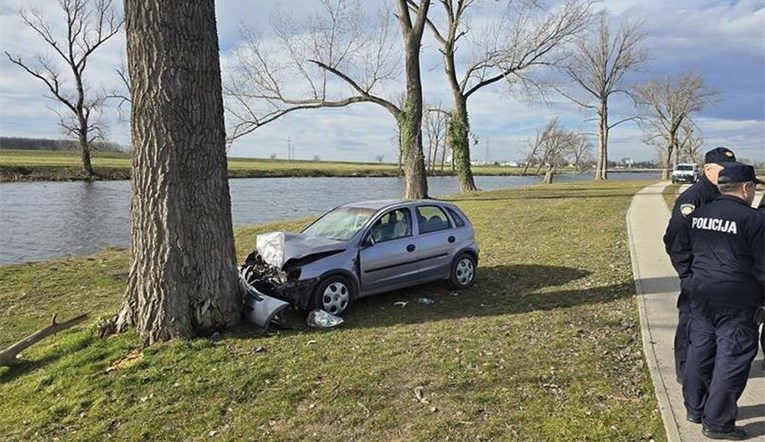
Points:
point(686, 209)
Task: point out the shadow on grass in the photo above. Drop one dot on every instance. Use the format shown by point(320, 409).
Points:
point(499, 290)
point(8, 374)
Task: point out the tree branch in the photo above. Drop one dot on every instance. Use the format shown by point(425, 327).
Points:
point(8, 356)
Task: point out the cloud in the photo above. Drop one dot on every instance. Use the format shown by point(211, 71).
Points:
point(721, 40)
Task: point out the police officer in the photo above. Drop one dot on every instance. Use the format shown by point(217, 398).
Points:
point(761, 209)
point(721, 251)
point(700, 193)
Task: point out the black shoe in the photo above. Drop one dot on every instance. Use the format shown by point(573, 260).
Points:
point(735, 434)
point(692, 419)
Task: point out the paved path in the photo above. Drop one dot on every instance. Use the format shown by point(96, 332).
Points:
point(657, 289)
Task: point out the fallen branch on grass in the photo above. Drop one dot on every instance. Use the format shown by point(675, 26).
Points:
point(8, 356)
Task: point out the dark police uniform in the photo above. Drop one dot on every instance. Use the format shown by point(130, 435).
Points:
point(721, 252)
point(699, 194)
point(761, 209)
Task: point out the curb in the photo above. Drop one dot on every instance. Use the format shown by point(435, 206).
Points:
point(660, 389)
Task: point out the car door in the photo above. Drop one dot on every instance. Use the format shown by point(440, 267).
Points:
point(390, 261)
point(435, 242)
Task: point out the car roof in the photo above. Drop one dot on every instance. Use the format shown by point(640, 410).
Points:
point(381, 204)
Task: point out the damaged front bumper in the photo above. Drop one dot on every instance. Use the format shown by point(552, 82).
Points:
point(284, 284)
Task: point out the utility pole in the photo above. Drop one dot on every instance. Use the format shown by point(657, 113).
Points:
point(289, 148)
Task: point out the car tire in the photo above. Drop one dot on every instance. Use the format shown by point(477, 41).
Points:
point(463, 271)
point(334, 295)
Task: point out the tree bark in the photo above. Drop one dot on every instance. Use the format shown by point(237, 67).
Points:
point(458, 130)
point(548, 179)
point(183, 280)
point(665, 172)
point(87, 166)
point(410, 119)
point(601, 169)
point(458, 135)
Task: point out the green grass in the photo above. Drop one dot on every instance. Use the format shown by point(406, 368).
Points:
point(670, 194)
point(545, 347)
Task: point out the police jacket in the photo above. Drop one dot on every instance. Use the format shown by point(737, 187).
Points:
point(699, 194)
point(722, 249)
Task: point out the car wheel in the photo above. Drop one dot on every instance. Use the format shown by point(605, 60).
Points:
point(463, 271)
point(334, 295)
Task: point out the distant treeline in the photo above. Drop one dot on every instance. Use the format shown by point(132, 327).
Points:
point(46, 144)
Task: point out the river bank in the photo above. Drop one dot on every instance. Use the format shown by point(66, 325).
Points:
point(26, 165)
point(51, 219)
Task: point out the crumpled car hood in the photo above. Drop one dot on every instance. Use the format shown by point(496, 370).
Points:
point(276, 248)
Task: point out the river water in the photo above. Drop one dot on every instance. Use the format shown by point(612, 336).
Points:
point(47, 220)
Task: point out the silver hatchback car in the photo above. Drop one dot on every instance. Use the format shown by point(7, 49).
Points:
point(362, 249)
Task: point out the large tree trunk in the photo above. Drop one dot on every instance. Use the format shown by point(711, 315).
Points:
point(87, 166)
point(668, 164)
point(601, 169)
point(82, 126)
point(410, 120)
point(548, 179)
point(458, 135)
point(415, 176)
point(183, 279)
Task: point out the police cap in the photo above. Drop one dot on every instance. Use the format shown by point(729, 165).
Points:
point(737, 173)
point(720, 155)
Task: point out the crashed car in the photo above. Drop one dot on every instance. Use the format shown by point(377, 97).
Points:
point(364, 248)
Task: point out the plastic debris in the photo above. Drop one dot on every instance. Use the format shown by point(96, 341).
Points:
point(401, 303)
point(425, 300)
point(321, 319)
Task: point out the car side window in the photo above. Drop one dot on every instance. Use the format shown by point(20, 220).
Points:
point(392, 225)
point(458, 221)
point(431, 219)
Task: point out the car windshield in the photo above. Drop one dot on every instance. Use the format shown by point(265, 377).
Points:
point(682, 167)
point(340, 224)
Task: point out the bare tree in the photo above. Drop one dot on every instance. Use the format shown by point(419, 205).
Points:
point(597, 70)
point(338, 58)
point(553, 147)
point(666, 105)
point(539, 149)
point(690, 141)
point(379, 158)
point(525, 36)
point(183, 280)
point(435, 123)
point(89, 24)
point(580, 152)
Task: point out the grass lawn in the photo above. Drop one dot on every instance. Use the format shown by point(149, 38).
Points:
point(545, 347)
point(670, 194)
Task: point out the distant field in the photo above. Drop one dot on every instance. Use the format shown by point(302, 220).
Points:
point(25, 165)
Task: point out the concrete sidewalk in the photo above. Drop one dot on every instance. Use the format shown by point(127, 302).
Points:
point(657, 288)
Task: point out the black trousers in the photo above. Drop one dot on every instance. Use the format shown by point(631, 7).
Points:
point(723, 344)
point(681, 332)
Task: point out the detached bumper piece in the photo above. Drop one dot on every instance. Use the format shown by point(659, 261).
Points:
point(261, 309)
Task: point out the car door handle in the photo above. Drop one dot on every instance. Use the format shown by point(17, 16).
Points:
point(410, 248)
point(451, 239)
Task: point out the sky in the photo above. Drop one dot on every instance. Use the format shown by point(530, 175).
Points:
point(722, 41)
